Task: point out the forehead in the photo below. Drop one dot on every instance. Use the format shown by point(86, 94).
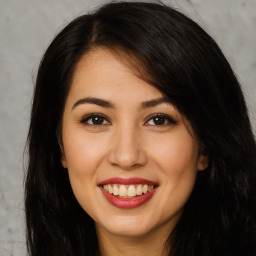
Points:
point(103, 72)
point(116, 55)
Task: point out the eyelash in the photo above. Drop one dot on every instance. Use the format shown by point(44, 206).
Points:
point(163, 117)
point(167, 119)
point(86, 119)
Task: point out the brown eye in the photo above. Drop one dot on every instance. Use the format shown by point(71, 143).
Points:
point(95, 119)
point(160, 120)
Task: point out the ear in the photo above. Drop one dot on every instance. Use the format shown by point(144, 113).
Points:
point(63, 160)
point(202, 162)
point(62, 152)
point(62, 155)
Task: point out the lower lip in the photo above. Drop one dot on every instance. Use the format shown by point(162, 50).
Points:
point(128, 203)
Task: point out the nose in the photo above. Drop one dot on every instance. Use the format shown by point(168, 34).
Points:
point(127, 150)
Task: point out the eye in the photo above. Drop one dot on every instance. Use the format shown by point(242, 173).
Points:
point(160, 120)
point(95, 119)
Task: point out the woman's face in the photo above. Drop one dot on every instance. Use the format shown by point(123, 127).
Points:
point(132, 158)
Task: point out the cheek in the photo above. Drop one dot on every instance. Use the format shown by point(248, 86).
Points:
point(176, 155)
point(177, 162)
point(83, 153)
point(83, 156)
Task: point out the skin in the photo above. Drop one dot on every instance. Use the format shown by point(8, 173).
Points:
point(127, 143)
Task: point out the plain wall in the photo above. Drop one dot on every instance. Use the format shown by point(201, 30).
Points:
point(26, 29)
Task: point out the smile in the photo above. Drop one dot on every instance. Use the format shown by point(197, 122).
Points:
point(128, 193)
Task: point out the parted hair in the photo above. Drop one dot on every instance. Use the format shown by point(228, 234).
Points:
point(174, 54)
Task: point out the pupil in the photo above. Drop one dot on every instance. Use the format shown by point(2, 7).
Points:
point(159, 120)
point(97, 120)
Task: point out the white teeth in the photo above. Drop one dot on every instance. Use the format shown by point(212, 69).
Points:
point(139, 190)
point(115, 190)
point(131, 191)
point(145, 189)
point(110, 189)
point(128, 191)
point(122, 191)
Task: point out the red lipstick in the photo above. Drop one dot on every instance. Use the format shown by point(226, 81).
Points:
point(127, 203)
point(127, 181)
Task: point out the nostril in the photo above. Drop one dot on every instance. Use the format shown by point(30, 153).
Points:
point(127, 158)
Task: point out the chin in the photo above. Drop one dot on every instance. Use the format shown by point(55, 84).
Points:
point(130, 226)
point(128, 231)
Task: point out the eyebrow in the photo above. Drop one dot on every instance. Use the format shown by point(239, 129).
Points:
point(109, 104)
point(96, 101)
point(155, 102)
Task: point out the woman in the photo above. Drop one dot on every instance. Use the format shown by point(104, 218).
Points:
point(139, 141)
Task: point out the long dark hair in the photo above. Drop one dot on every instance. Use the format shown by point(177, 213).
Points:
point(179, 58)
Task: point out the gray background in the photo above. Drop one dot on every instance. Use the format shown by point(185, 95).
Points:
point(26, 29)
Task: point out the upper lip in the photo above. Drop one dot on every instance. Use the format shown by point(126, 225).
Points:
point(127, 181)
